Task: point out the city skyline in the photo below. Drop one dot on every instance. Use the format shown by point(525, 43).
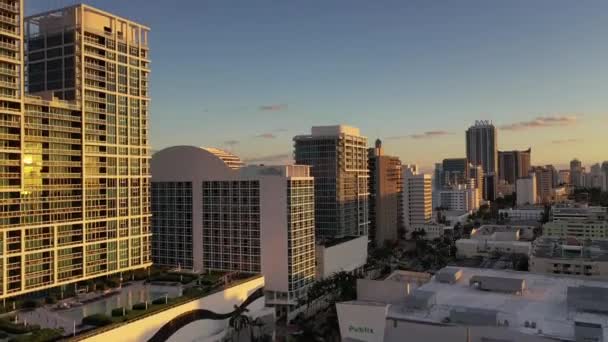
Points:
point(272, 75)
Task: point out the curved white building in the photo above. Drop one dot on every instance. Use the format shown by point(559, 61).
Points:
point(212, 214)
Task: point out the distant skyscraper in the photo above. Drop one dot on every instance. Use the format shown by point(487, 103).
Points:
point(417, 198)
point(455, 171)
point(386, 189)
point(513, 165)
point(438, 177)
point(576, 173)
point(564, 177)
point(210, 214)
point(338, 157)
point(481, 146)
point(481, 142)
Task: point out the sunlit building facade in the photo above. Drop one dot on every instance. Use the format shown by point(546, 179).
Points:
point(74, 191)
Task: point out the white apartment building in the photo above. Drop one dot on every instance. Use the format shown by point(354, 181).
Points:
point(525, 188)
point(490, 239)
point(254, 219)
point(461, 198)
point(417, 197)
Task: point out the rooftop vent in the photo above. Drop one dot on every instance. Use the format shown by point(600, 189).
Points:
point(448, 275)
point(498, 284)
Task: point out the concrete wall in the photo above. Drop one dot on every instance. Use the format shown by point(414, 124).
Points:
point(273, 234)
point(346, 256)
point(396, 330)
point(381, 290)
point(220, 302)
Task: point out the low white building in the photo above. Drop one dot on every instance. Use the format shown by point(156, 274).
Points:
point(489, 239)
point(469, 248)
point(431, 231)
point(453, 217)
point(527, 214)
point(583, 258)
point(478, 305)
point(348, 254)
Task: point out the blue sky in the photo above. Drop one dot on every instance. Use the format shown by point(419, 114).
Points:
point(248, 75)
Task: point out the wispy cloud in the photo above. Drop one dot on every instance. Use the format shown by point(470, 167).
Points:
point(231, 142)
point(269, 159)
point(540, 122)
point(266, 136)
point(567, 141)
point(275, 107)
point(423, 135)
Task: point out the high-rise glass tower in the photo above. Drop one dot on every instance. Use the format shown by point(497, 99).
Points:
point(74, 185)
point(481, 146)
point(481, 150)
point(338, 156)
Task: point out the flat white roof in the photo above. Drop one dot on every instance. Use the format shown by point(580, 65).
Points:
point(544, 302)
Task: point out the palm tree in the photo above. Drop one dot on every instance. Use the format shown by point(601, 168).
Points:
point(239, 321)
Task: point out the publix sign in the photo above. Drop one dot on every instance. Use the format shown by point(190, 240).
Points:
point(362, 322)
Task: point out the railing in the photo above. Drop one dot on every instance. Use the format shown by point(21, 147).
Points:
point(167, 329)
point(9, 7)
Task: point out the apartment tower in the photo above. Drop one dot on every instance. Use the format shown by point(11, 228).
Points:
point(417, 198)
point(75, 189)
point(386, 189)
point(338, 159)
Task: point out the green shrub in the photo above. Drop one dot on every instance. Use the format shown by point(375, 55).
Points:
point(113, 282)
point(50, 300)
point(139, 306)
point(30, 304)
point(160, 300)
point(119, 312)
point(42, 335)
point(97, 320)
point(12, 328)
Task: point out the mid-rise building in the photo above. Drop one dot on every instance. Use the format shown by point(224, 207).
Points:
point(596, 178)
point(338, 159)
point(481, 146)
point(583, 258)
point(74, 184)
point(580, 229)
point(386, 190)
point(544, 182)
point(417, 198)
point(431, 231)
point(459, 198)
point(525, 190)
point(492, 239)
point(476, 173)
point(513, 165)
point(212, 215)
point(568, 212)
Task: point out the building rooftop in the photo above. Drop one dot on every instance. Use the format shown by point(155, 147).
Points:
point(541, 309)
point(570, 248)
point(231, 160)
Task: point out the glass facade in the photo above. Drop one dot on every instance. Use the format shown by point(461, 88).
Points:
point(172, 224)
